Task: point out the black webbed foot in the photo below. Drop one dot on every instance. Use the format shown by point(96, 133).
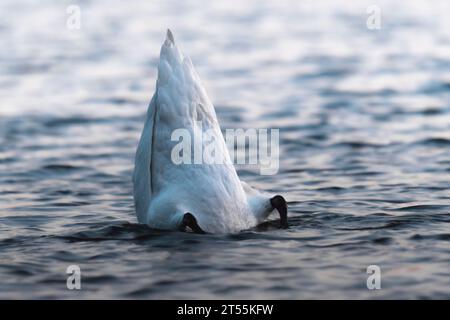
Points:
point(279, 203)
point(189, 222)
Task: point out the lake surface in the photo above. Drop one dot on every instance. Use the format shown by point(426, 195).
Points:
point(364, 119)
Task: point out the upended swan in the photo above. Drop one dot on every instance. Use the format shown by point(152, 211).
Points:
point(202, 198)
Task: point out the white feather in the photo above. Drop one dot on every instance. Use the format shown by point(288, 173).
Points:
point(164, 191)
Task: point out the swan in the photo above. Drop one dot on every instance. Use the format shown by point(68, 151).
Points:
point(200, 198)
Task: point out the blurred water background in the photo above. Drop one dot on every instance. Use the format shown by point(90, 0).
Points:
point(364, 119)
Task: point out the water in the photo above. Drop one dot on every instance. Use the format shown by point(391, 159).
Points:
point(364, 119)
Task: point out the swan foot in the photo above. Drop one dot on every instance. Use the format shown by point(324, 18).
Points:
point(279, 203)
point(190, 223)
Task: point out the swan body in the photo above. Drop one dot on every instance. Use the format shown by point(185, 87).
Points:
point(164, 192)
